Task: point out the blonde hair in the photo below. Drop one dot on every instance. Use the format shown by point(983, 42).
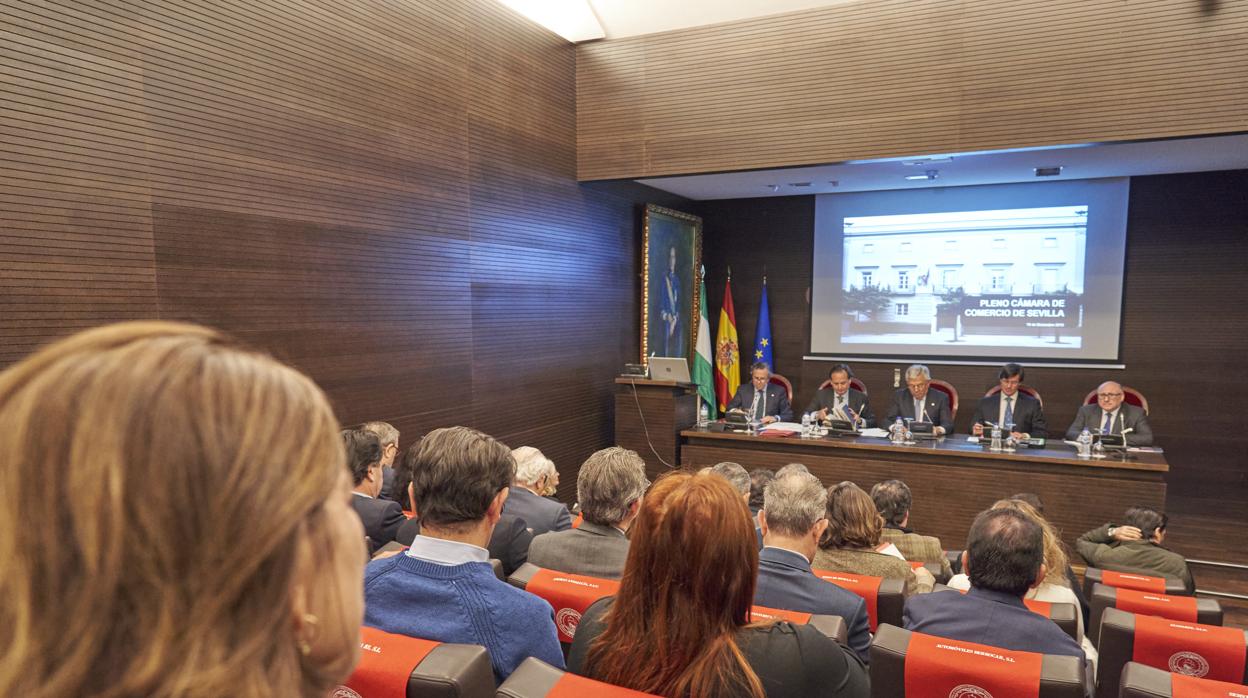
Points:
point(1055, 560)
point(159, 483)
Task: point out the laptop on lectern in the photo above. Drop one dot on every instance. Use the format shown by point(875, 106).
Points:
point(663, 368)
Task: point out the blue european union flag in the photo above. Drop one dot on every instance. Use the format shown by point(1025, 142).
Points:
point(762, 345)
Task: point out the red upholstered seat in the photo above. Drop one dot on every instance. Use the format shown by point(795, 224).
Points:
point(1131, 396)
point(1140, 681)
point(906, 664)
point(1133, 580)
point(397, 666)
point(948, 389)
point(537, 679)
point(1184, 608)
point(831, 626)
point(1065, 615)
point(1022, 388)
point(781, 380)
point(885, 598)
point(1196, 649)
point(568, 594)
point(854, 383)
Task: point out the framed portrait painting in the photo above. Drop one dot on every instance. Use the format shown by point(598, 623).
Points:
point(671, 255)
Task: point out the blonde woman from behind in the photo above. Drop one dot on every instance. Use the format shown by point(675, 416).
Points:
point(175, 520)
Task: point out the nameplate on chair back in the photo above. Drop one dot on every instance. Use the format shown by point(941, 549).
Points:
point(866, 586)
point(1192, 649)
point(386, 663)
point(1191, 687)
point(573, 686)
point(762, 613)
point(941, 668)
point(1138, 582)
point(1044, 608)
point(1150, 604)
point(570, 595)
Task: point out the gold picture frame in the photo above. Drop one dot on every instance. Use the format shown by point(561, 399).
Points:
point(671, 257)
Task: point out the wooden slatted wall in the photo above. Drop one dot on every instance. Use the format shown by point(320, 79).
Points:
point(878, 78)
point(382, 193)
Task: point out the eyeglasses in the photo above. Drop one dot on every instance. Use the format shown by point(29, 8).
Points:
point(1109, 394)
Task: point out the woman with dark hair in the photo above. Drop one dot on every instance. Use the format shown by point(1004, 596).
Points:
point(680, 625)
point(853, 535)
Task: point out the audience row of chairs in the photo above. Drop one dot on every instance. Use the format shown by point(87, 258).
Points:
point(1130, 395)
point(1144, 637)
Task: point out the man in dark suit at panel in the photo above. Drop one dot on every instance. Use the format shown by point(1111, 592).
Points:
point(533, 472)
point(1110, 415)
point(1004, 558)
point(916, 402)
point(792, 521)
point(609, 487)
point(768, 402)
point(841, 401)
point(1011, 407)
point(381, 517)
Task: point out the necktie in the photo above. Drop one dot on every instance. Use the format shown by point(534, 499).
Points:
point(841, 406)
point(1009, 411)
point(918, 410)
point(760, 400)
point(1108, 426)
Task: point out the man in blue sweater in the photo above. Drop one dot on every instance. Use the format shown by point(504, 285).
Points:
point(442, 588)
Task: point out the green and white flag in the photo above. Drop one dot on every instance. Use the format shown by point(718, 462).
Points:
point(702, 372)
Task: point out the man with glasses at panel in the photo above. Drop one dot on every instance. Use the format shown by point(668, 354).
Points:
point(1010, 407)
point(1110, 415)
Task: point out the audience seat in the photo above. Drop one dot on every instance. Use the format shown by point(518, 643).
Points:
point(1066, 615)
point(537, 679)
point(955, 560)
point(933, 567)
point(1131, 396)
point(886, 598)
point(903, 661)
point(1140, 681)
point(1133, 580)
point(1184, 608)
point(1022, 388)
point(854, 384)
point(781, 380)
point(397, 665)
point(831, 626)
point(947, 388)
point(1205, 651)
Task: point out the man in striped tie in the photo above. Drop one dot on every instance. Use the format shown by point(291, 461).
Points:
point(1011, 408)
point(1110, 415)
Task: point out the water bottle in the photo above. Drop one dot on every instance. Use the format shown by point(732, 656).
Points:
point(897, 432)
point(704, 416)
point(1085, 444)
point(806, 425)
point(996, 438)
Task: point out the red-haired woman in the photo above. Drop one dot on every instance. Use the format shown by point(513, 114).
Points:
point(680, 625)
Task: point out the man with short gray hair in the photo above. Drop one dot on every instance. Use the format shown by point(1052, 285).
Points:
point(389, 438)
point(609, 487)
point(735, 474)
point(533, 471)
point(916, 402)
point(792, 519)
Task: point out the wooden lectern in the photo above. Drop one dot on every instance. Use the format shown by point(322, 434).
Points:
point(660, 408)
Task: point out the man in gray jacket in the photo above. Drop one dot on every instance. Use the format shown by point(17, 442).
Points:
point(609, 487)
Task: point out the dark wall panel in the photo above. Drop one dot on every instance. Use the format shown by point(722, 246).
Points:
point(381, 193)
point(1184, 323)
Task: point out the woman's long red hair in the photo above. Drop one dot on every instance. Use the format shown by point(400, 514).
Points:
point(687, 590)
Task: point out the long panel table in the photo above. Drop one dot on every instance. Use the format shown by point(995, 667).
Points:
point(953, 480)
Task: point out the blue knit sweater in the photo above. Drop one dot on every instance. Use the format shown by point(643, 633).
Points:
point(460, 603)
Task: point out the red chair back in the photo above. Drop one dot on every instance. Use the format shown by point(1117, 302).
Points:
point(948, 389)
point(396, 666)
point(1024, 389)
point(1140, 681)
point(1131, 396)
point(906, 664)
point(885, 598)
point(1181, 608)
point(568, 594)
point(1133, 580)
point(1192, 649)
point(782, 381)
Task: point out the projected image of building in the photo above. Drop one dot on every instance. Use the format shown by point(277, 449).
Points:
point(922, 277)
